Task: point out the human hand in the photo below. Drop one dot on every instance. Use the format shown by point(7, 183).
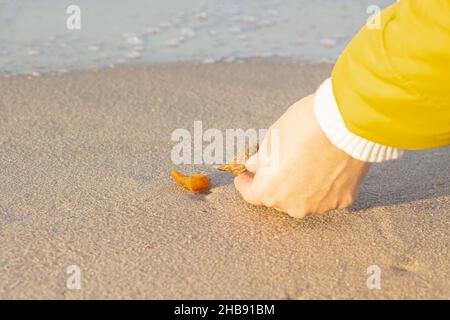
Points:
point(311, 175)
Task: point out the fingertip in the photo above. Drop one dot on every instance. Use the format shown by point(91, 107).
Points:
point(244, 184)
point(251, 164)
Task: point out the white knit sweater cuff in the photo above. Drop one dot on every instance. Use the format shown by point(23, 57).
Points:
point(330, 120)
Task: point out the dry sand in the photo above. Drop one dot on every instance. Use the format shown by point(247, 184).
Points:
point(84, 163)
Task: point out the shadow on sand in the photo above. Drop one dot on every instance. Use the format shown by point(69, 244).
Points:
point(418, 175)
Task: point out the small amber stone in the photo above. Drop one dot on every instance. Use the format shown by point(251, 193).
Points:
point(195, 183)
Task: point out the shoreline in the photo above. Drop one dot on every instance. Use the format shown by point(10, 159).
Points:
point(143, 64)
point(85, 161)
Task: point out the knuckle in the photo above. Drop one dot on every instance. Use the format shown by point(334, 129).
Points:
point(270, 201)
point(258, 192)
point(299, 213)
point(346, 201)
point(269, 197)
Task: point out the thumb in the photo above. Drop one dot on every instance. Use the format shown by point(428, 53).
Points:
point(251, 163)
point(244, 184)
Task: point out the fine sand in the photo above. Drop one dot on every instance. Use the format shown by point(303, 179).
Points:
point(84, 180)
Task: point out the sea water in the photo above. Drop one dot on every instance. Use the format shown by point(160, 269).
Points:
point(36, 38)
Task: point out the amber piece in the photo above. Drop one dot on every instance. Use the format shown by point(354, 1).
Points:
point(237, 165)
point(235, 168)
point(195, 183)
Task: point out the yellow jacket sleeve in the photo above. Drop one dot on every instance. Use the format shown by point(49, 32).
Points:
point(392, 84)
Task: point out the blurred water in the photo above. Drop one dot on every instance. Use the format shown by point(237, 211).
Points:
point(34, 38)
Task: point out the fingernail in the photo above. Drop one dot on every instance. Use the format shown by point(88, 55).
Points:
point(250, 164)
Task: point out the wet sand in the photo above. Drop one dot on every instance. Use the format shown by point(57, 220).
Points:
point(84, 164)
